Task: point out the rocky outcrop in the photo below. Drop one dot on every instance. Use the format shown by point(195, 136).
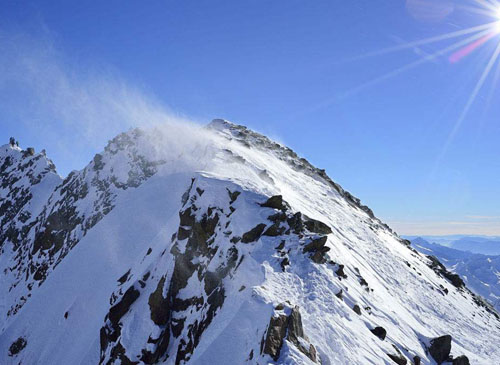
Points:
point(180, 314)
point(254, 234)
point(66, 209)
point(289, 327)
point(440, 348)
point(440, 269)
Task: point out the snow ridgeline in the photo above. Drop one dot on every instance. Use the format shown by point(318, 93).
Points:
point(218, 246)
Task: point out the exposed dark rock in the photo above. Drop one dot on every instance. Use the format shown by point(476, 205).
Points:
point(278, 217)
point(440, 348)
point(398, 357)
point(118, 310)
point(295, 330)
point(98, 164)
point(281, 245)
point(454, 279)
point(315, 244)
point(274, 231)
point(295, 222)
point(124, 277)
point(380, 332)
point(254, 234)
point(461, 360)
point(357, 309)
point(275, 335)
point(17, 346)
point(439, 268)
point(233, 195)
point(275, 202)
point(316, 226)
point(284, 263)
point(291, 327)
point(319, 257)
point(340, 294)
point(340, 272)
point(235, 239)
point(318, 248)
point(158, 305)
point(416, 360)
point(183, 233)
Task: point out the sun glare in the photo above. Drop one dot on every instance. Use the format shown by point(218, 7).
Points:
point(466, 41)
point(497, 15)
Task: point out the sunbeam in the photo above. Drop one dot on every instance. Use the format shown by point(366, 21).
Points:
point(472, 98)
point(454, 47)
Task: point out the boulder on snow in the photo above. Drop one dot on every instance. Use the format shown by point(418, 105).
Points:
point(275, 202)
point(340, 272)
point(380, 332)
point(440, 348)
point(357, 309)
point(17, 346)
point(461, 360)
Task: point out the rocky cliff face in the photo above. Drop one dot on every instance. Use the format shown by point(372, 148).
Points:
point(231, 249)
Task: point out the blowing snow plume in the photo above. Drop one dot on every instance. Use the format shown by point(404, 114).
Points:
point(70, 107)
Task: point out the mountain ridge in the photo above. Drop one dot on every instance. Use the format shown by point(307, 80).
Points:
point(185, 239)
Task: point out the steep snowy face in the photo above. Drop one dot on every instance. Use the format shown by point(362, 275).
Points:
point(43, 216)
point(217, 245)
point(26, 182)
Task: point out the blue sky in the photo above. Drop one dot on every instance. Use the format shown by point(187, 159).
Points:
point(74, 74)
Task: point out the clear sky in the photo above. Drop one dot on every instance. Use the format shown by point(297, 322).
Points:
point(394, 127)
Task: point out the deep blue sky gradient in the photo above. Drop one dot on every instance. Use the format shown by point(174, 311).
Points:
point(289, 69)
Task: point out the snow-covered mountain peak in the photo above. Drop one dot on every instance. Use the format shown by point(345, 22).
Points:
point(217, 245)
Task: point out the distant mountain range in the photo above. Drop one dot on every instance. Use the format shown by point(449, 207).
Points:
point(480, 272)
point(486, 245)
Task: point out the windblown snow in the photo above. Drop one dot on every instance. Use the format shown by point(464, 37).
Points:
point(216, 245)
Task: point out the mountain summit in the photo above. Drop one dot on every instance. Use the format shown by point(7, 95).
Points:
point(216, 245)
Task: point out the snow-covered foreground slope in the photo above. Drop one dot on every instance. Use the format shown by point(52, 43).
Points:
point(219, 246)
point(480, 272)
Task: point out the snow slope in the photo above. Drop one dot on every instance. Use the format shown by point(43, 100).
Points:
point(216, 245)
point(480, 272)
